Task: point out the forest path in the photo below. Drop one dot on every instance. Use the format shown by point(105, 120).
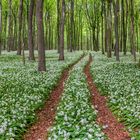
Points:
point(112, 128)
point(46, 116)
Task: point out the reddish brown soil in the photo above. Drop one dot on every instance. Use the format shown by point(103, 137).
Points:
point(113, 129)
point(46, 116)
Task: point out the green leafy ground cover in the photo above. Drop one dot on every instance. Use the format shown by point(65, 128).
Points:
point(76, 117)
point(23, 90)
point(121, 83)
point(51, 56)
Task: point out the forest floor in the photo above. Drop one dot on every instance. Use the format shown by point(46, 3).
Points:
point(46, 116)
point(78, 99)
point(112, 128)
point(119, 83)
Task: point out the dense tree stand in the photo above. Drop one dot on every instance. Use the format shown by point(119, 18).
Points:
point(112, 128)
point(110, 26)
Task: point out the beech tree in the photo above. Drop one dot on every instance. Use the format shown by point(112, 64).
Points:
point(72, 26)
point(110, 26)
point(116, 25)
point(30, 30)
point(62, 23)
point(133, 48)
point(40, 36)
point(10, 26)
point(0, 25)
point(20, 26)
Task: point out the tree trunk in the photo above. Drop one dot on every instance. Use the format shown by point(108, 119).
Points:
point(72, 26)
point(10, 26)
point(105, 25)
point(109, 30)
point(116, 24)
point(102, 26)
point(40, 36)
point(0, 26)
point(20, 27)
point(124, 28)
point(5, 30)
point(62, 22)
point(14, 48)
point(132, 30)
point(58, 25)
point(22, 41)
point(30, 30)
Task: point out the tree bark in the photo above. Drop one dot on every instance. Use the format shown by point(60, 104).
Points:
point(30, 30)
point(72, 26)
point(10, 26)
point(62, 23)
point(133, 30)
point(0, 26)
point(124, 28)
point(116, 24)
point(109, 29)
point(20, 27)
point(58, 25)
point(40, 36)
point(102, 26)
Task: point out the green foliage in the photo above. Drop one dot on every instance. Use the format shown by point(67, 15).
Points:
point(23, 90)
point(76, 117)
point(120, 82)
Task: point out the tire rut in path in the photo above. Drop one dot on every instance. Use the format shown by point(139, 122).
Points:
point(46, 116)
point(113, 129)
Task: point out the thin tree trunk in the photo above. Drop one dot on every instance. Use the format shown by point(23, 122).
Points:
point(20, 27)
point(58, 25)
point(14, 48)
point(10, 26)
point(23, 42)
point(62, 21)
point(72, 26)
point(109, 29)
point(132, 30)
point(0, 26)
point(102, 26)
point(5, 30)
point(30, 30)
point(124, 28)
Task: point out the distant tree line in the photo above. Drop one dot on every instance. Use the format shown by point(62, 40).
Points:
point(106, 25)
